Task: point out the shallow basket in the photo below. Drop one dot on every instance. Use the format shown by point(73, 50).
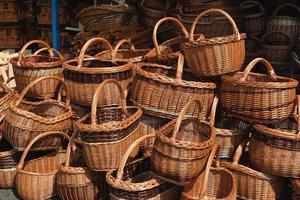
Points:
point(25, 120)
point(186, 149)
point(256, 97)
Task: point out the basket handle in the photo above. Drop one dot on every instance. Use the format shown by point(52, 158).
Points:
point(5, 87)
point(87, 45)
point(30, 85)
point(44, 49)
point(180, 65)
point(21, 55)
point(273, 32)
point(286, 5)
point(155, 30)
point(119, 44)
point(68, 152)
point(298, 118)
point(98, 92)
point(127, 154)
point(239, 151)
point(45, 134)
point(234, 26)
point(213, 110)
point(250, 66)
point(256, 3)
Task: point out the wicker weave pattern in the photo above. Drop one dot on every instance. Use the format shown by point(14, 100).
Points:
point(7, 177)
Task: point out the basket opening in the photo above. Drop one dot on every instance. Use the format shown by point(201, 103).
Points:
point(98, 63)
point(46, 109)
point(289, 125)
point(251, 9)
point(5, 145)
point(45, 164)
point(232, 124)
point(254, 77)
point(288, 11)
point(37, 59)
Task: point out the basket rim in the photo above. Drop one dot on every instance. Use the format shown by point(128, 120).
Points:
point(120, 51)
point(40, 65)
point(72, 170)
point(228, 132)
point(22, 171)
point(282, 17)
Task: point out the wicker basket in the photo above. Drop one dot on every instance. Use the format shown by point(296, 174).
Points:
point(162, 92)
point(6, 97)
point(256, 97)
point(214, 183)
point(287, 24)
point(25, 120)
point(107, 134)
point(215, 56)
point(186, 149)
point(38, 175)
point(29, 68)
point(136, 181)
point(276, 51)
point(254, 17)
point(252, 184)
point(83, 76)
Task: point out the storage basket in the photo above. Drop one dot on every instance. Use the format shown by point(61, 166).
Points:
point(10, 11)
point(163, 91)
point(254, 17)
point(35, 180)
point(135, 180)
point(214, 183)
point(107, 133)
point(215, 56)
point(29, 68)
point(184, 144)
point(252, 184)
point(284, 23)
point(83, 75)
point(25, 120)
point(276, 51)
point(257, 97)
point(279, 143)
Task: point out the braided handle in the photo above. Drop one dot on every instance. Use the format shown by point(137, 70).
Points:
point(256, 3)
point(44, 49)
point(273, 32)
point(286, 5)
point(119, 44)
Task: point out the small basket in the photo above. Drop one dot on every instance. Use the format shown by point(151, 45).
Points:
point(215, 56)
point(84, 74)
point(186, 149)
point(25, 120)
point(29, 68)
point(256, 97)
point(107, 134)
point(135, 180)
point(36, 179)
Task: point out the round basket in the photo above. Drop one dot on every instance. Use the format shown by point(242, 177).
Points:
point(184, 144)
point(226, 54)
point(83, 75)
point(29, 68)
point(257, 97)
point(25, 120)
point(107, 133)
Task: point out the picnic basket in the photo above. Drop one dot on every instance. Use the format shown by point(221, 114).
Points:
point(107, 133)
point(29, 68)
point(257, 97)
point(226, 53)
point(184, 144)
point(25, 120)
point(84, 74)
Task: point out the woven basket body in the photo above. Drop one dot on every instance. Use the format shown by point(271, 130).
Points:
point(29, 68)
point(83, 76)
point(256, 97)
point(215, 56)
point(25, 120)
point(186, 149)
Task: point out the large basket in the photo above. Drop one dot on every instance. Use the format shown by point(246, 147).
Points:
point(281, 144)
point(25, 120)
point(252, 184)
point(107, 133)
point(257, 97)
point(185, 145)
point(83, 76)
point(29, 68)
point(215, 56)
point(163, 91)
point(36, 179)
point(135, 180)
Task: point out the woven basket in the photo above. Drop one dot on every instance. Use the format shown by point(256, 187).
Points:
point(287, 24)
point(38, 175)
point(135, 180)
point(107, 133)
point(252, 184)
point(6, 97)
point(25, 120)
point(215, 56)
point(83, 76)
point(29, 68)
point(256, 97)
point(254, 17)
point(162, 92)
point(214, 183)
point(276, 51)
point(186, 149)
